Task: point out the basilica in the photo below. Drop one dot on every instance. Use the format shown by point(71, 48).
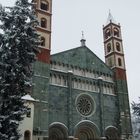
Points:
point(76, 95)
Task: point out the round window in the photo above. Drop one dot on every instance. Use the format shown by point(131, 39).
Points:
point(85, 105)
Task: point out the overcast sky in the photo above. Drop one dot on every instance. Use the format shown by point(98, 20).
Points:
point(70, 17)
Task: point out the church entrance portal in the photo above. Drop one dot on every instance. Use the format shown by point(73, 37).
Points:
point(86, 130)
point(58, 131)
point(111, 133)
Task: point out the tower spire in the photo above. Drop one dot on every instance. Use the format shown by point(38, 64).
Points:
point(83, 35)
point(110, 18)
point(83, 40)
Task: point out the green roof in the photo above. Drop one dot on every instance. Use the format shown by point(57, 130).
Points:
point(81, 57)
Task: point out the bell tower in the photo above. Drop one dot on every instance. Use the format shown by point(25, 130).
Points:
point(44, 13)
point(114, 58)
point(114, 54)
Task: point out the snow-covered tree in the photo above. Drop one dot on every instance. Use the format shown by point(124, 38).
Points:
point(136, 120)
point(136, 126)
point(136, 108)
point(18, 48)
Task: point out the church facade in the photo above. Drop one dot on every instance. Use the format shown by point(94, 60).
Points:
point(77, 95)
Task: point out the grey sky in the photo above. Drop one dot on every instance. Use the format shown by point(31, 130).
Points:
point(70, 17)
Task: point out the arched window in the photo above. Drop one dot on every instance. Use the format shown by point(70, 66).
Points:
point(43, 23)
point(44, 5)
point(90, 86)
point(104, 89)
point(28, 113)
point(75, 83)
point(116, 32)
point(93, 86)
point(27, 135)
point(107, 33)
point(108, 47)
point(65, 82)
point(119, 62)
point(110, 62)
point(59, 80)
point(83, 84)
point(50, 78)
point(42, 41)
point(80, 84)
point(118, 46)
point(54, 79)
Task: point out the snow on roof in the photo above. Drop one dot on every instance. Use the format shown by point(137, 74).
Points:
point(70, 71)
point(58, 123)
point(87, 121)
point(100, 78)
point(28, 97)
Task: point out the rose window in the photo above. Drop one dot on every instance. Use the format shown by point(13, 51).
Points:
point(85, 104)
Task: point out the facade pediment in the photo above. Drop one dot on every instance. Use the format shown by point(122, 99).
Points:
point(81, 57)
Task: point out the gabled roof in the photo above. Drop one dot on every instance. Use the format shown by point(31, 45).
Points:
point(81, 57)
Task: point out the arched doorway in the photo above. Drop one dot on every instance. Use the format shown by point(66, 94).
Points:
point(86, 130)
point(27, 135)
point(111, 133)
point(58, 131)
